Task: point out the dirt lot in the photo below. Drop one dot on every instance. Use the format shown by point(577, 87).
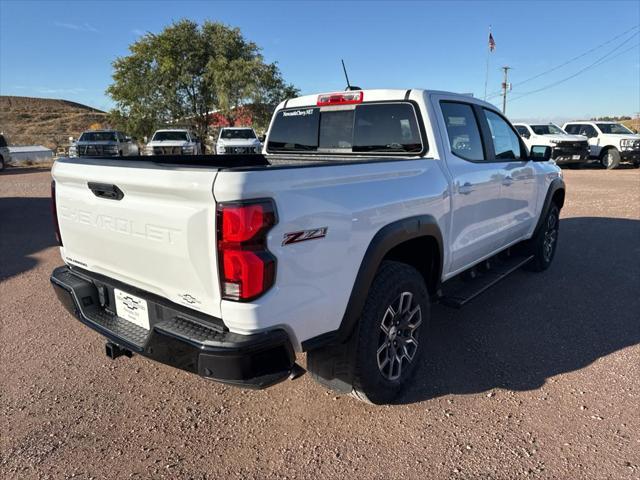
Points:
point(537, 378)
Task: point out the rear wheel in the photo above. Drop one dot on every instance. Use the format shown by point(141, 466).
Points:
point(610, 159)
point(543, 245)
point(385, 349)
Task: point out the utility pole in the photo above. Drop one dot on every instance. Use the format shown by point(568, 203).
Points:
point(505, 87)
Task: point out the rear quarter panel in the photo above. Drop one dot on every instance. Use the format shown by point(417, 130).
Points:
point(315, 278)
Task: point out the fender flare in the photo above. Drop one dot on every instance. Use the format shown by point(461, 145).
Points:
point(556, 185)
point(383, 241)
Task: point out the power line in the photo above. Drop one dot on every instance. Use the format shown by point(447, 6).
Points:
point(597, 63)
point(553, 69)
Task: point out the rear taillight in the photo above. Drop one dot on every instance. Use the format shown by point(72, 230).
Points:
point(247, 268)
point(340, 98)
point(54, 212)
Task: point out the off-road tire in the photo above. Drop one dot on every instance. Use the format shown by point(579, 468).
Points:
point(610, 158)
point(539, 246)
point(354, 367)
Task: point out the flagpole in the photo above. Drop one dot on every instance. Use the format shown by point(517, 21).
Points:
point(486, 74)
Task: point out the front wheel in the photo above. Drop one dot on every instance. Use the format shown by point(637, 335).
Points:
point(610, 159)
point(544, 243)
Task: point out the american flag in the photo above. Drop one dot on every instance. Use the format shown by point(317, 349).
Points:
point(492, 43)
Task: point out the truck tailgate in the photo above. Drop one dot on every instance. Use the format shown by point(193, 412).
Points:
point(159, 236)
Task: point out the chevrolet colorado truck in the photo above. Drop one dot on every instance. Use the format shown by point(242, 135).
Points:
point(365, 208)
point(98, 143)
point(565, 149)
point(609, 142)
point(177, 141)
point(237, 140)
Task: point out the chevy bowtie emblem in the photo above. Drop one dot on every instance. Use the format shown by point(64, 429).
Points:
point(303, 235)
point(130, 303)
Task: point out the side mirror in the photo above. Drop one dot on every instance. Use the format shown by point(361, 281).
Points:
point(145, 139)
point(540, 153)
point(261, 138)
point(127, 139)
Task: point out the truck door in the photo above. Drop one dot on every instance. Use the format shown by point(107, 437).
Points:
point(476, 180)
point(518, 181)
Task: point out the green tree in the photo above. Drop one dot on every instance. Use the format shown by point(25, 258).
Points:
point(186, 72)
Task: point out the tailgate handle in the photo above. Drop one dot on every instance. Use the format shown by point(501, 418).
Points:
point(105, 190)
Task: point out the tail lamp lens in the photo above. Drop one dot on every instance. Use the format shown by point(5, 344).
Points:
point(54, 213)
point(247, 268)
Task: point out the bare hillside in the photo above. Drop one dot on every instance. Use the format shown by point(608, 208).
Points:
point(45, 121)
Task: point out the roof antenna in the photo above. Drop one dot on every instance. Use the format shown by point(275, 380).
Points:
point(349, 86)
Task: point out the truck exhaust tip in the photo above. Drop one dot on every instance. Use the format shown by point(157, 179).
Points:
point(114, 351)
point(296, 371)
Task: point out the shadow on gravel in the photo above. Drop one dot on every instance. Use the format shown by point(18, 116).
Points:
point(26, 227)
point(533, 326)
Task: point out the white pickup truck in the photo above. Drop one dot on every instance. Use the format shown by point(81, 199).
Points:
point(610, 142)
point(565, 149)
point(366, 207)
point(237, 140)
point(175, 141)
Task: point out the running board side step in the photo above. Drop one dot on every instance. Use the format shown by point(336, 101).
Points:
point(471, 289)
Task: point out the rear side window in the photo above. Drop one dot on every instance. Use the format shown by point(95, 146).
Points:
point(376, 128)
point(505, 140)
point(463, 131)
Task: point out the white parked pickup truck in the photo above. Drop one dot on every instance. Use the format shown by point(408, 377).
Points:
point(610, 142)
point(237, 140)
point(365, 208)
point(565, 148)
point(177, 141)
point(108, 143)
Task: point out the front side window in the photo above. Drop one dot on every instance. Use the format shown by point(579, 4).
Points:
point(587, 131)
point(505, 140)
point(614, 128)
point(366, 128)
point(572, 129)
point(463, 131)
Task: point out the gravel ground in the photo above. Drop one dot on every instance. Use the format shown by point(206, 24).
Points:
point(537, 378)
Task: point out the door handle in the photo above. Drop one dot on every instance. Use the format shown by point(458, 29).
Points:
point(105, 190)
point(507, 181)
point(465, 189)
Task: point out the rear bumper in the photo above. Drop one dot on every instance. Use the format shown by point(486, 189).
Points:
point(177, 338)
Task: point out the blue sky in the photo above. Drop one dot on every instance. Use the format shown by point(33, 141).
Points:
point(65, 49)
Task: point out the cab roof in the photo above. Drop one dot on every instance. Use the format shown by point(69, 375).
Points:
point(379, 95)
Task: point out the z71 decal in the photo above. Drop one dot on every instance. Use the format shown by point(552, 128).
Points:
point(304, 235)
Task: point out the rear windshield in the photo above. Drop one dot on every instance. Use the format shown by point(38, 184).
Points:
point(170, 136)
point(98, 137)
point(243, 133)
point(376, 127)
